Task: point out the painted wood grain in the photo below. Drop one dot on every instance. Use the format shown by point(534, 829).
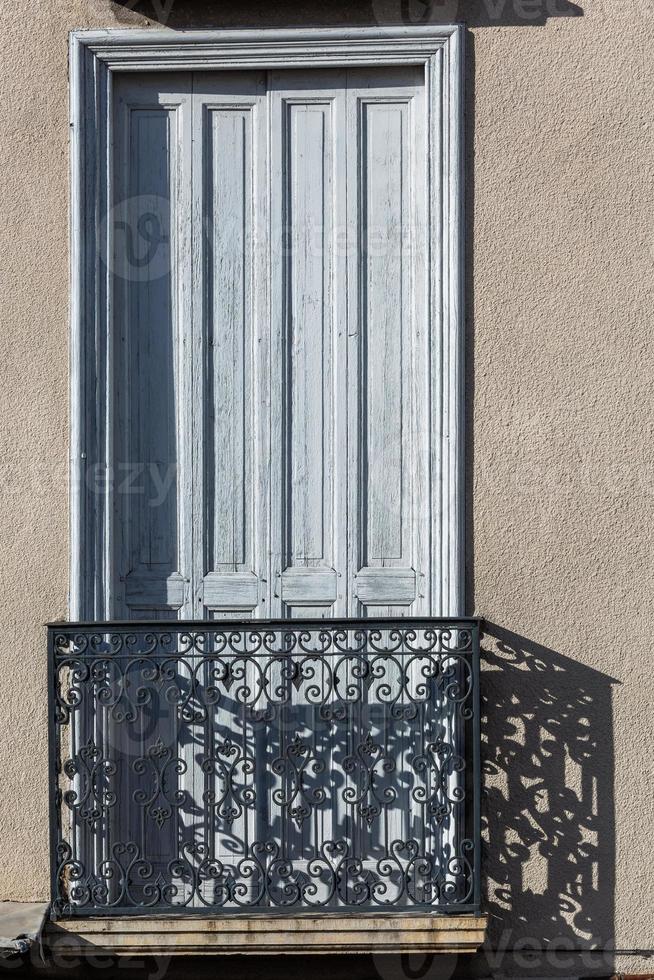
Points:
point(150, 463)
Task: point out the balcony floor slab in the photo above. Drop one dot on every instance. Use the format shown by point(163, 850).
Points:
point(262, 934)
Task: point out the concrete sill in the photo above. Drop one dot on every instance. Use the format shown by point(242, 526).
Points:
point(328, 933)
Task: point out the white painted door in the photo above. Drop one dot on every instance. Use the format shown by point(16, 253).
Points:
point(273, 381)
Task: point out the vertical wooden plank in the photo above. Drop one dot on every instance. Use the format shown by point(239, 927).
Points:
point(421, 328)
point(384, 407)
point(444, 91)
point(150, 264)
point(307, 197)
point(388, 371)
point(454, 318)
point(229, 396)
point(89, 82)
point(307, 352)
point(228, 288)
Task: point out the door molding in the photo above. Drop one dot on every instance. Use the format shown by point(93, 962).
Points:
point(95, 58)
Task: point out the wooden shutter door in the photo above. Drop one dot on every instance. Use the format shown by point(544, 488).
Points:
point(272, 348)
point(350, 459)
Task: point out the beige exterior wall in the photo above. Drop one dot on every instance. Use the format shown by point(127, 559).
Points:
point(561, 409)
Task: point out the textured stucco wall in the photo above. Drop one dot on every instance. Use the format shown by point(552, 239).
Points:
point(560, 299)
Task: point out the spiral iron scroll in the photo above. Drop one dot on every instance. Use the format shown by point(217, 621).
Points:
point(276, 767)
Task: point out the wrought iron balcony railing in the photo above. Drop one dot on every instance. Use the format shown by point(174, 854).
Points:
point(266, 766)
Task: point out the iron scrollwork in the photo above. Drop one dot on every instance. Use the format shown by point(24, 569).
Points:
point(291, 765)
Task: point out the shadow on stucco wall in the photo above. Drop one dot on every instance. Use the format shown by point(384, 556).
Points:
point(549, 853)
point(549, 813)
point(188, 14)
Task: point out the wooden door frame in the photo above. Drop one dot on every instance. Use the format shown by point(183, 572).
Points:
point(95, 58)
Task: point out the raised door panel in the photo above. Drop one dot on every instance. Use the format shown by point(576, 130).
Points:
point(308, 464)
point(388, 379)
point(229, 308)
point(150, 235)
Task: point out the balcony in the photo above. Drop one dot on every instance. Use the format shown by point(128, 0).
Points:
point(276, 768)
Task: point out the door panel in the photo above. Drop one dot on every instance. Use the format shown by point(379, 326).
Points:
point(229, 322)
point(152, 466)
point(308, 459)
point(388, 377)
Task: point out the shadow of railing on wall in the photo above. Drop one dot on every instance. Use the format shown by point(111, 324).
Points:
point(548, 763)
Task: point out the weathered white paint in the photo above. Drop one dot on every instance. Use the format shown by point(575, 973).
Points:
point(307, 550)
point(152, 372)
point(348, 385)
point(333, 483)
point(229, 416)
